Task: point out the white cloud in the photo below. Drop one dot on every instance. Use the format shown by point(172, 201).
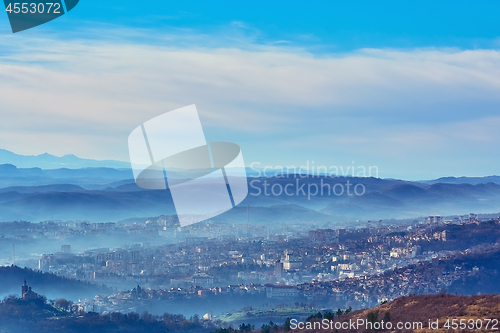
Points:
point(84, 97)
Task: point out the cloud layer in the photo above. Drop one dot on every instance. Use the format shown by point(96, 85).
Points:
point(415, 113)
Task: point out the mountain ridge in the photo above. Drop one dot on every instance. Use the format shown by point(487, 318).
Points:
point(48, 161)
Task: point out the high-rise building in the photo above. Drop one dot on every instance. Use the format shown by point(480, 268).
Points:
point(203, 280)
point(292, 261)
point(278, 269)
point(66, 248)
point(44, 263)
point(435, 219)
point(323, 235)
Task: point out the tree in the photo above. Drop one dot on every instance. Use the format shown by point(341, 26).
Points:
point(329, 315)
point(246, 328)
point(372, 317)
point(63, 303)
point(287, 327)
point(387, 317)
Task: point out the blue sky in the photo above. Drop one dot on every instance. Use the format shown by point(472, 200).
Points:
point(412, 87)
point(336, 25)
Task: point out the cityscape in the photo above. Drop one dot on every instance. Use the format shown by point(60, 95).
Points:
point(211, 268)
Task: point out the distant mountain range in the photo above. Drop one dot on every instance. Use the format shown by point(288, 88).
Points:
point(89, 196)
point(465, 180)
point(102, 193)
point(90, 178)
point(48, 161)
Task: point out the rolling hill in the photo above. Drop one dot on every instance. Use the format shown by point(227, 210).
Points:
point(417, 311)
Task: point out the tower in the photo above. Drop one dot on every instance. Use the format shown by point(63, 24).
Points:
point(24, 290)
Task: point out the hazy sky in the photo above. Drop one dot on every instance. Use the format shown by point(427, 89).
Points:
point(412, 87)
